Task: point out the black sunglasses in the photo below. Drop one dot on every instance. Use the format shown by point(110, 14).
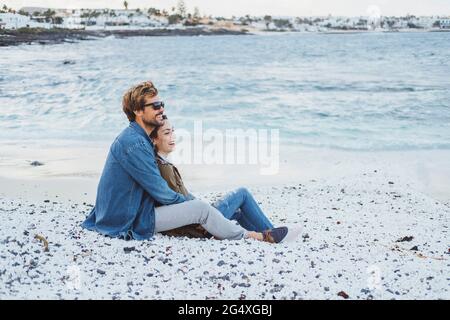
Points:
point(155, 105)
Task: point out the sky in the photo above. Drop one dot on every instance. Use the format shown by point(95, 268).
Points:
point(262, 7)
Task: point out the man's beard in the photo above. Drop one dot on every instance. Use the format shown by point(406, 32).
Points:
point(152, 123)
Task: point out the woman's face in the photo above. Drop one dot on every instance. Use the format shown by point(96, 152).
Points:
point(165, 141)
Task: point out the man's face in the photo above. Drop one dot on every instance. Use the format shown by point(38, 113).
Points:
point(149, 116)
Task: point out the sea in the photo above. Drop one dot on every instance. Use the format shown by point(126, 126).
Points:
point(358, 91)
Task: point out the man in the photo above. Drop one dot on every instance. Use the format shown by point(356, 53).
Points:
point(131, 183)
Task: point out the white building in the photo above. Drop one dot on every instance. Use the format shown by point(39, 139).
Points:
point(73, 20)
point(14, 21)
point(444, 23)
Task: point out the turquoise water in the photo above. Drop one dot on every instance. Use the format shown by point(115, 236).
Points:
point(376, 91)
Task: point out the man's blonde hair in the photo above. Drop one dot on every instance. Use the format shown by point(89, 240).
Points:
point(134, 98)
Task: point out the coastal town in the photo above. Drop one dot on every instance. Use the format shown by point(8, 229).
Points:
point(178, 17)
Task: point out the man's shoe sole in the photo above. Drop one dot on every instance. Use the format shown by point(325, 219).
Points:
point(292, 235)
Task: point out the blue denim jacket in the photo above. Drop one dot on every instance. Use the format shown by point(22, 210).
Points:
point(128, 188)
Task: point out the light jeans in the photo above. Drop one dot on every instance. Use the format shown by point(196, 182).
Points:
point(197, 212)
point(240, 205)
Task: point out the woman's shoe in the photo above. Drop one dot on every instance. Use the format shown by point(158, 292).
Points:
point(275, 235)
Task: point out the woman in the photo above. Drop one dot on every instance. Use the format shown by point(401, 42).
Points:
point(237, 205)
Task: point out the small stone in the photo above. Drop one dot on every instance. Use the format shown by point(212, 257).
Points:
point(101, 271)
point(221, 263)
point(129, 249)
point(36, 163)
point(405, 239)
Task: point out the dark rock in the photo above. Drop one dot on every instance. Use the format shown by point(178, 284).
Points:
point(343, 294)
point(405, 239)
point(129, 249)
point(36, 163)
point(101, 271)
point(221, 263)
point(415, 248)
point(277, 288)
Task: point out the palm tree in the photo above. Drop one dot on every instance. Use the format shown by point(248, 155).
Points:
point(267, 20)
point(196, 13)
point(154, 12)
point(49, 15)
point(125, 4)
point(181, 8)
point(23, 13)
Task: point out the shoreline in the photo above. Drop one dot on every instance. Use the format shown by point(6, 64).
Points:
point(81, 163)
point(58, 36)
point(30, 36)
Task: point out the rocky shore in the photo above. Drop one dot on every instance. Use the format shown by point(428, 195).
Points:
point(365, 237)
point(55, 36)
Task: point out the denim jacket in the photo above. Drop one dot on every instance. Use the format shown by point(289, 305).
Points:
point(129, 186)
